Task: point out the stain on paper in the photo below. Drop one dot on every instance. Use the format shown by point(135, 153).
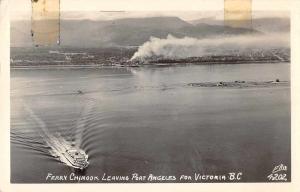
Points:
point(238, 13)
point(45, 22)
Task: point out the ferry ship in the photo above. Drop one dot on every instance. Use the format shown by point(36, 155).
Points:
point(77, 158)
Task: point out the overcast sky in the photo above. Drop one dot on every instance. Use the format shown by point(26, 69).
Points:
point(185, 9)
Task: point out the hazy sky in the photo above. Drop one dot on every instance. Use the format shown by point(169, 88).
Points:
point(90, 9)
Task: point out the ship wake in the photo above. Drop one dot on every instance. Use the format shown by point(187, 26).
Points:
point(56, 144)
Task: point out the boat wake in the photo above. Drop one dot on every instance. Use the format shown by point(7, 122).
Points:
point(66, 152)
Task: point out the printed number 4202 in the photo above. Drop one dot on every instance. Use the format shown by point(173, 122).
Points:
point(277, 177)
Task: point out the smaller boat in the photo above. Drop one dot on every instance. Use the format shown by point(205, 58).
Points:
point(80, 92)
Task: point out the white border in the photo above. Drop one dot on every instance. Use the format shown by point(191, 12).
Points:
point(5, 185)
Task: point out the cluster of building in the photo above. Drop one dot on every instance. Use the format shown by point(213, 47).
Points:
point(249, 56)
point(121, 57)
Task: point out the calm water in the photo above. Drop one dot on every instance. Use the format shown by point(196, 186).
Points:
point(146, 120)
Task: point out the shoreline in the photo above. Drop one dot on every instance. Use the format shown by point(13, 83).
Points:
point(135, 66)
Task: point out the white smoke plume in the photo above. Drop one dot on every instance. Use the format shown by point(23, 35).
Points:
point(173, 47)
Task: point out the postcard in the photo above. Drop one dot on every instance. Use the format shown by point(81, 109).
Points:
point(143, 95)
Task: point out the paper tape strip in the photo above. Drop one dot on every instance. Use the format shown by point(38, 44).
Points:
point(45, 22)
point(238, 13)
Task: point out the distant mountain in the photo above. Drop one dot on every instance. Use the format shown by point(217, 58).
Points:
point(20, 33)
point(122, 32)
point(266, 25)
point(207, 20)
point(272, 24)
point(203, 30)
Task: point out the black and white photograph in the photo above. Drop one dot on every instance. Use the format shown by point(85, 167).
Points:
point(124, 96)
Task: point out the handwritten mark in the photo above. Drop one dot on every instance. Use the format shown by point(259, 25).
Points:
point(278, 173)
